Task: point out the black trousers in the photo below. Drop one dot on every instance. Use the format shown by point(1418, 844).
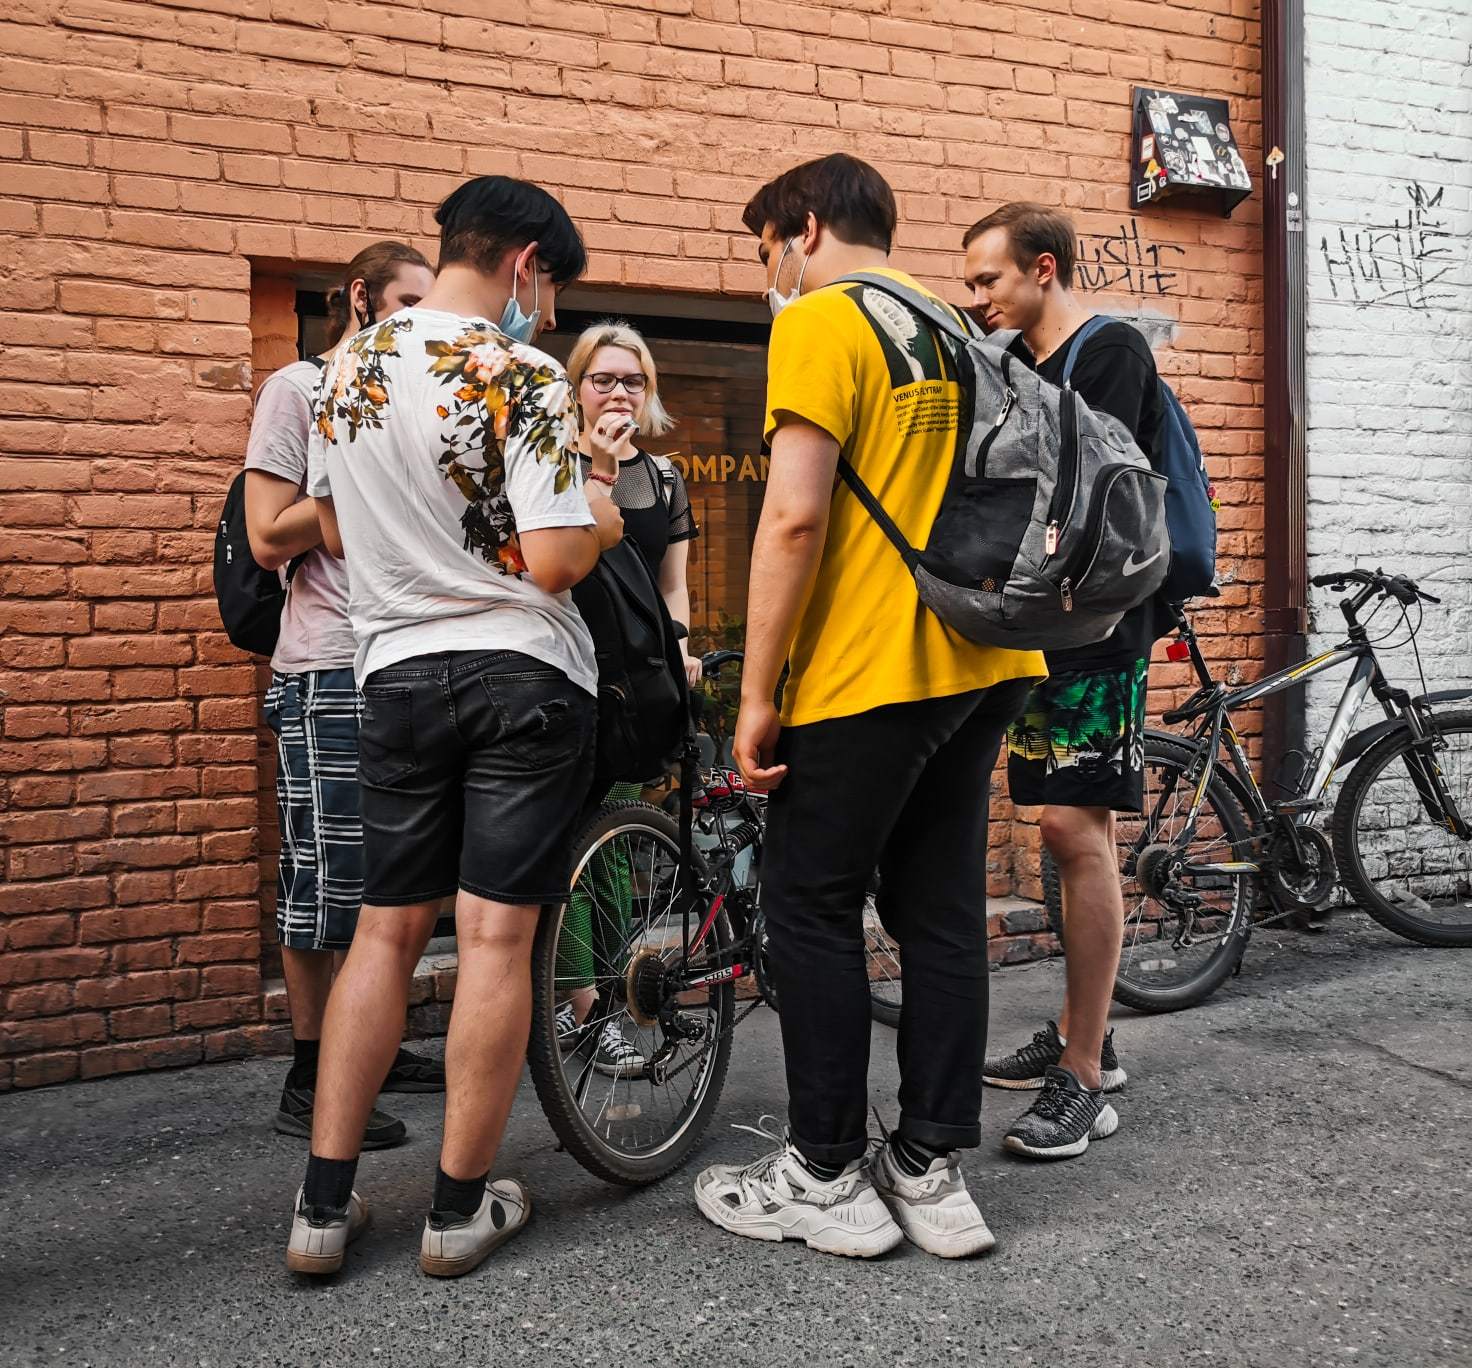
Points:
point(904, 788)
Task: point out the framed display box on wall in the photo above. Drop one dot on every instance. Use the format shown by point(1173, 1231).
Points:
point(1183, 144)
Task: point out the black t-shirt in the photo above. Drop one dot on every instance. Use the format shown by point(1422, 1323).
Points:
point(655, 504)
point(1114, 374)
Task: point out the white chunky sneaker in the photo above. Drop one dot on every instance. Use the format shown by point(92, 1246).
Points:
point(320, 1236)
point(450, 1248)
point(778, 1198)
point(934, 1210)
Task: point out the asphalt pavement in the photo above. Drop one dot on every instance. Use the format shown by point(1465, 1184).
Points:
point(1289, 1186)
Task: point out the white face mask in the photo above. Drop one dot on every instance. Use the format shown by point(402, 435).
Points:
point(775, 300)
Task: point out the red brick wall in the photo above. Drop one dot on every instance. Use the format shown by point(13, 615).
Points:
point(156, 155)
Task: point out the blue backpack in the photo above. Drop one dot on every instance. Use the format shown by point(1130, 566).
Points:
point(1190, 499)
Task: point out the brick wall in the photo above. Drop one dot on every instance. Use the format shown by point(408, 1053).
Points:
point(1389, 102)
point(158, 157)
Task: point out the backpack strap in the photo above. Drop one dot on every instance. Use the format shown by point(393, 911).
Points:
point(875, 510)
point(1079, 338)
point(963, 330)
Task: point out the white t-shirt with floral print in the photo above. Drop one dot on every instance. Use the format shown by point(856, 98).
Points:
point(439, 441)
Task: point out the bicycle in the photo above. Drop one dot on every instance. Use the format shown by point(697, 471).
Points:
point(672, 930)
point(1210, 847)
point(676, 923)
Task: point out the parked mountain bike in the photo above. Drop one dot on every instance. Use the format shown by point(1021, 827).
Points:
point(663, 920)
point(1210, 847)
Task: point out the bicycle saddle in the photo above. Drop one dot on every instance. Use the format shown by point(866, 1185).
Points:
point(1203, 700)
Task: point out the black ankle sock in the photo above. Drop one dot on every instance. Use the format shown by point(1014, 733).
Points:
point(912, 1157)
point(329, 1182)
point(458, 1196)
point(303, 1071)
point(824, 1172)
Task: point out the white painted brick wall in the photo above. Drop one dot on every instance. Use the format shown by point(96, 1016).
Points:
point(1389, 240)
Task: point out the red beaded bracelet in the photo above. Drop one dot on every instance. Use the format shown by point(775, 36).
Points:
point(609, 480)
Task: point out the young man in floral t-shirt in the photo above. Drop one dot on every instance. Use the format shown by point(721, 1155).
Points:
point(445, 472)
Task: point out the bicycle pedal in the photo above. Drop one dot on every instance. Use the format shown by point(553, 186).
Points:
point(1299, 805)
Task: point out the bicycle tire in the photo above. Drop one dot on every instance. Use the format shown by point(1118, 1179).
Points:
point(1130, 988)
point(544, 1057)
point(1052, 886)
point(883, 964)
point(1351, 857)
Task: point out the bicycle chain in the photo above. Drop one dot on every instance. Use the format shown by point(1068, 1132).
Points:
point(716, 1039)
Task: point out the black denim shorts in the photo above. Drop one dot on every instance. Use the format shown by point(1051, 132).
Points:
point(474, 767)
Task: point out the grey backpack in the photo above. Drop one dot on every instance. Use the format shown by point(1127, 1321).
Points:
point(1053, 522)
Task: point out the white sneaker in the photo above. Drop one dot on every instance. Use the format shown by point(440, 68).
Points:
point(615, 1057)
point(934, 1210)
point(779, 1198)
point(319, 1240)
point(449, 1249)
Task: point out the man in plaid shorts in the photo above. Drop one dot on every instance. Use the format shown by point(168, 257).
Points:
point(313, 705)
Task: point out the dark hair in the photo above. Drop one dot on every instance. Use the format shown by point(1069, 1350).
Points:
point(376, 267)
point(844, 194)
point(489, 216)
point(1032, 229)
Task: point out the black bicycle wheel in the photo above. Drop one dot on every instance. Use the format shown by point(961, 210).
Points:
point(1176, 956)
point(628, 1098)
point(1402, 865)
point(882, 960)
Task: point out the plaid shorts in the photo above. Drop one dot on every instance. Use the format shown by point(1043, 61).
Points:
point(315, 718)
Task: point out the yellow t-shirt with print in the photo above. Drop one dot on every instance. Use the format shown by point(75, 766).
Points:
point(856, 363)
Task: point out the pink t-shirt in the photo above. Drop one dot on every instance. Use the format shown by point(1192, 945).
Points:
point(316, 633)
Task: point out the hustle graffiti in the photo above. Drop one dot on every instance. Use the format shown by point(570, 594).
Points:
point(1397, 262)
point(1123, 260)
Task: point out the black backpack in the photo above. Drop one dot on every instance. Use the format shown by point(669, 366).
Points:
point(250, 599)
point(643, 705)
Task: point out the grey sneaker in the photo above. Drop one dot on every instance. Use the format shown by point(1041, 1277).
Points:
point(934, 1210)
point(452, 1247)
point(1026, 1069)
point(320, 1235)
point(1060, 1124)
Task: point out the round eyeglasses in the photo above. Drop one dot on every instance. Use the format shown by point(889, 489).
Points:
point(605, 382)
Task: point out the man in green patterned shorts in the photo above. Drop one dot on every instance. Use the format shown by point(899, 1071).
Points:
point(1077, 751)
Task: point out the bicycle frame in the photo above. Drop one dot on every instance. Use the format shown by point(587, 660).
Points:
point(1217, 734)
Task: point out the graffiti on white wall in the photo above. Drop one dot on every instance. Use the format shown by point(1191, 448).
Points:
point(1398, 263)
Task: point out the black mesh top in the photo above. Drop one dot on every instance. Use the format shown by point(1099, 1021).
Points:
point(651, 494)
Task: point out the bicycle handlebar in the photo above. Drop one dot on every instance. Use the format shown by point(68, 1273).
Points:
point(1402, 588)
point(713, 662)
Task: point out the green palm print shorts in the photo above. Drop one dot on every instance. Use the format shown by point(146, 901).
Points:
point(1080, 741)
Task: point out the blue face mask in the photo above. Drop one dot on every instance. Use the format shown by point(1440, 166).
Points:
point(519, 326)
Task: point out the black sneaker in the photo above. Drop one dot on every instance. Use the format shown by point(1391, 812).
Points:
point(1026, 1068)
point(412, 1073)
point(1063, 1120)
point(616, 1057)
point(294, 1117)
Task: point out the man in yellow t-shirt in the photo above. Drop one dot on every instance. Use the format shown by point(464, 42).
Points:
point(882, 753)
